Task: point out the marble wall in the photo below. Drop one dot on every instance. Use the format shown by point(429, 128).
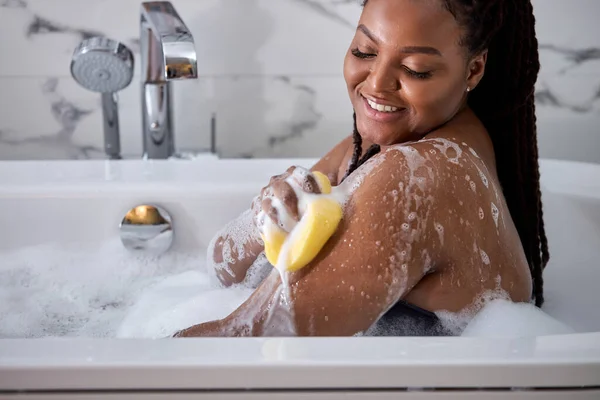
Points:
point(270, 71)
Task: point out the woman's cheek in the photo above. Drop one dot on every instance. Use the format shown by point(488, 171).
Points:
point(430, 97)
point(352, 72)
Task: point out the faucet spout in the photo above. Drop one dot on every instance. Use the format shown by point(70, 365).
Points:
point(167, 53)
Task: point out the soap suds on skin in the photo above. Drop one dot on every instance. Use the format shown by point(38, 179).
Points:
point(440, 230)
point(484, 179)
point(236, 235)
point(473, 152)
point(484, 257)
point(495, 214)
point(444, 145)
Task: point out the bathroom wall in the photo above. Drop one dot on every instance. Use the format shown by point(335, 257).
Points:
point(270, 71)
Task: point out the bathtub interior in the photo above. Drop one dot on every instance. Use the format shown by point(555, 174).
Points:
point(60, 220)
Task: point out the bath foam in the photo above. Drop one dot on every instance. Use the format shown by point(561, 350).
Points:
point(456, 322)
point(493, 314)
point(178, 302)
point(54, 291)
point(502, 318)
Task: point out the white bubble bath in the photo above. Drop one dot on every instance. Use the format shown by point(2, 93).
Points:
point(52, 291)
point(79, 312)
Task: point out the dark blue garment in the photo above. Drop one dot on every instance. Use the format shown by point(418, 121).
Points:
point(405, 319)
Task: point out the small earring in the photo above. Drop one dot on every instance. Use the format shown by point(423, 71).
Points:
point(468, 89)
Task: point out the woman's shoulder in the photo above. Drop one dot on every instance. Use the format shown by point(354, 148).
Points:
point(426, 162)
point(437, 168)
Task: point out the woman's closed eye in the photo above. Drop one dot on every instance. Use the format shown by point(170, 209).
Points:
point(417, 74)
point(412, 73)
point(359, 54)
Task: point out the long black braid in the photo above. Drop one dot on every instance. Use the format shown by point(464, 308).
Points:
point(504, 102)
point(357, 160)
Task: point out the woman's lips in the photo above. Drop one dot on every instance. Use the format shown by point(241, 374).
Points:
point(384, 113)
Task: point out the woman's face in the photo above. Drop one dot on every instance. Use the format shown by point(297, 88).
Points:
point(406, 71)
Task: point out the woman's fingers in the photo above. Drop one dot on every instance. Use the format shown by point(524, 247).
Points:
point(282, 206)
point(270, 210)
point(284, 192)
point(284, 212)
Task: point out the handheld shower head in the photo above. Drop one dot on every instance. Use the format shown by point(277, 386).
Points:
point(102, 65)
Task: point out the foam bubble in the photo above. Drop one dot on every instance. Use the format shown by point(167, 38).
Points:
point(440, 230)
point(443, 145)
point(483, 178)
point(258, 271)
point(495, 214)
point(473, 152)
point(481, 214)
point(484, 257)
point(473, 187)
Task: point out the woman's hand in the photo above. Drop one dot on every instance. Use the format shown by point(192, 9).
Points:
point(278, 201)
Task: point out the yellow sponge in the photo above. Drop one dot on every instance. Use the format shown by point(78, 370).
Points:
point(319, 222)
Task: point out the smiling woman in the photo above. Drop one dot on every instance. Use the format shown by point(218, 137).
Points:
point(442, 209)
point(401, 89)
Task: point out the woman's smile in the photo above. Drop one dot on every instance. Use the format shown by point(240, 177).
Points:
point(381, 110)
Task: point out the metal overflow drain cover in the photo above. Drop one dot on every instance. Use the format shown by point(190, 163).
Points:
point(147, 229)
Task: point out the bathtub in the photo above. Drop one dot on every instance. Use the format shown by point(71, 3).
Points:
point(82, 202)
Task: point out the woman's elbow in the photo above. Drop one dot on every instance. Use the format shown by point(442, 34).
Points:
point(221, 266)
point(226, 264)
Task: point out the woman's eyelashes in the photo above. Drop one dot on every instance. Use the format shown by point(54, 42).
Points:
point(412, 73)
point(359, 54)
point(418, 75)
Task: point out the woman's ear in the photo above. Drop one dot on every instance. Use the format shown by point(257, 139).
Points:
point(475, 70)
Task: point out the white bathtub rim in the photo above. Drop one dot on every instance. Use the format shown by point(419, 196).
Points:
point(271, 363)
point(173, 172)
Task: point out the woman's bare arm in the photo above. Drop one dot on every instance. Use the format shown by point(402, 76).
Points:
point(235, 249)
point(372, 261)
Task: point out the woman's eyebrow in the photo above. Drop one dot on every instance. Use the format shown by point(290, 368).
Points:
point(406, 49)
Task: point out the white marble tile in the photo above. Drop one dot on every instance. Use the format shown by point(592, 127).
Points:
point(571, 24)
point(55, 118)
point(269, 69)
point(38, 121)
point(240, 37)
point(281, 117)
point(262, 116)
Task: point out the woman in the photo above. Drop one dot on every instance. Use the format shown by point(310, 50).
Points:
point(448, 208)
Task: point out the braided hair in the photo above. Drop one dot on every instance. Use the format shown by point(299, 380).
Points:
point(504, 102)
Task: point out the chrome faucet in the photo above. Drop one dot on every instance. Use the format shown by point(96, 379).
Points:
point(167, 53)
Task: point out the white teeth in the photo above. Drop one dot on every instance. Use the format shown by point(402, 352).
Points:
point(381, 107)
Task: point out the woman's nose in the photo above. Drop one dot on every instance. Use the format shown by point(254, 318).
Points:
point(383, 78)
